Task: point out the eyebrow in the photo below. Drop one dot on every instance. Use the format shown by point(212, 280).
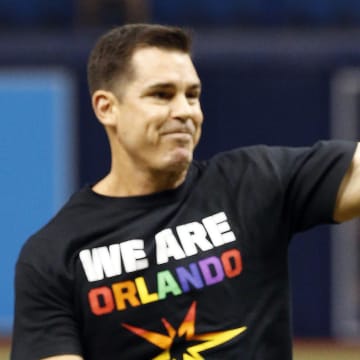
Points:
point(195, 86)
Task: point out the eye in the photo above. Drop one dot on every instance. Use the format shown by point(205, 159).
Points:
point(193, 95)
point(162, 95)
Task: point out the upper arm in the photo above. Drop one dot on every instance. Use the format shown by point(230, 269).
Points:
point(44, 322)
point(348, 198)
point(64, 357)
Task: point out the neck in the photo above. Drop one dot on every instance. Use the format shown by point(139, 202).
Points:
point(135, 177)
point(120, 185)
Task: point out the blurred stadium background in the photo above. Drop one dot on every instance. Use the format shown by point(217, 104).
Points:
point(288, 73)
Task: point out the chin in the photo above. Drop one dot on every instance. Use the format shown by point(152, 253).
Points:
point(178, 161)
point(178, 166)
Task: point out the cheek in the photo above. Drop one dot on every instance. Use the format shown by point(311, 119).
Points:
point(130, 133)
point(137, 126)
point(197, 136)
point(199, 122)
point(154, 124)
point(199, 116)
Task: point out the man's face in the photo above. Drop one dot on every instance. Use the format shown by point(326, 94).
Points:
point(158, 114)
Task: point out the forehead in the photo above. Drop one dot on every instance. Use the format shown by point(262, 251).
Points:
point(152, 64)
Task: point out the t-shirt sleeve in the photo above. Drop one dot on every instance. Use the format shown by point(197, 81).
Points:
point(311, 178)
point(44, 322)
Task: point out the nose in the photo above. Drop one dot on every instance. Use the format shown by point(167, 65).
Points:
point(181, 108)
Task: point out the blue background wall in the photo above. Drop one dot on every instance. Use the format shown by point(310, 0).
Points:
point(37, 157)
point(268, 87)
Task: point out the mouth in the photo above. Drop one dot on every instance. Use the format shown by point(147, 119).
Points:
point(183, 133)
point(178, 135)
point(185, 130)
point(177, 131)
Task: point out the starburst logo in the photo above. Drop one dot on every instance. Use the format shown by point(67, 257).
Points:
point(183, 343)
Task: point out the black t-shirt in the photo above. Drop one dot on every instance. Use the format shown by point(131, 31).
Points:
point(196, 272)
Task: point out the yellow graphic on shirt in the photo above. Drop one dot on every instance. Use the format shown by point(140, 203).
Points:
point(195, 343)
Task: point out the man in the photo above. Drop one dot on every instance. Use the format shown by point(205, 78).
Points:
point(166, 257)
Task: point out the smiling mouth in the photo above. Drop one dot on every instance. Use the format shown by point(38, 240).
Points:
point(178, 134)
point(184, 132)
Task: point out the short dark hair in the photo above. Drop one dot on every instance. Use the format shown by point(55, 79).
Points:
point(109, 61)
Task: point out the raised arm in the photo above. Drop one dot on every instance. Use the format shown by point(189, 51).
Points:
point(348, 198)
point(64, 357)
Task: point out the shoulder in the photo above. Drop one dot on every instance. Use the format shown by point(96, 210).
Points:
point(252, 158)
point(258, 166)
point(239, 156)
point(279, 163)
point(52, 240)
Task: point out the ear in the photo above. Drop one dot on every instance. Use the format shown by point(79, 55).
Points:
point(104, 105)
